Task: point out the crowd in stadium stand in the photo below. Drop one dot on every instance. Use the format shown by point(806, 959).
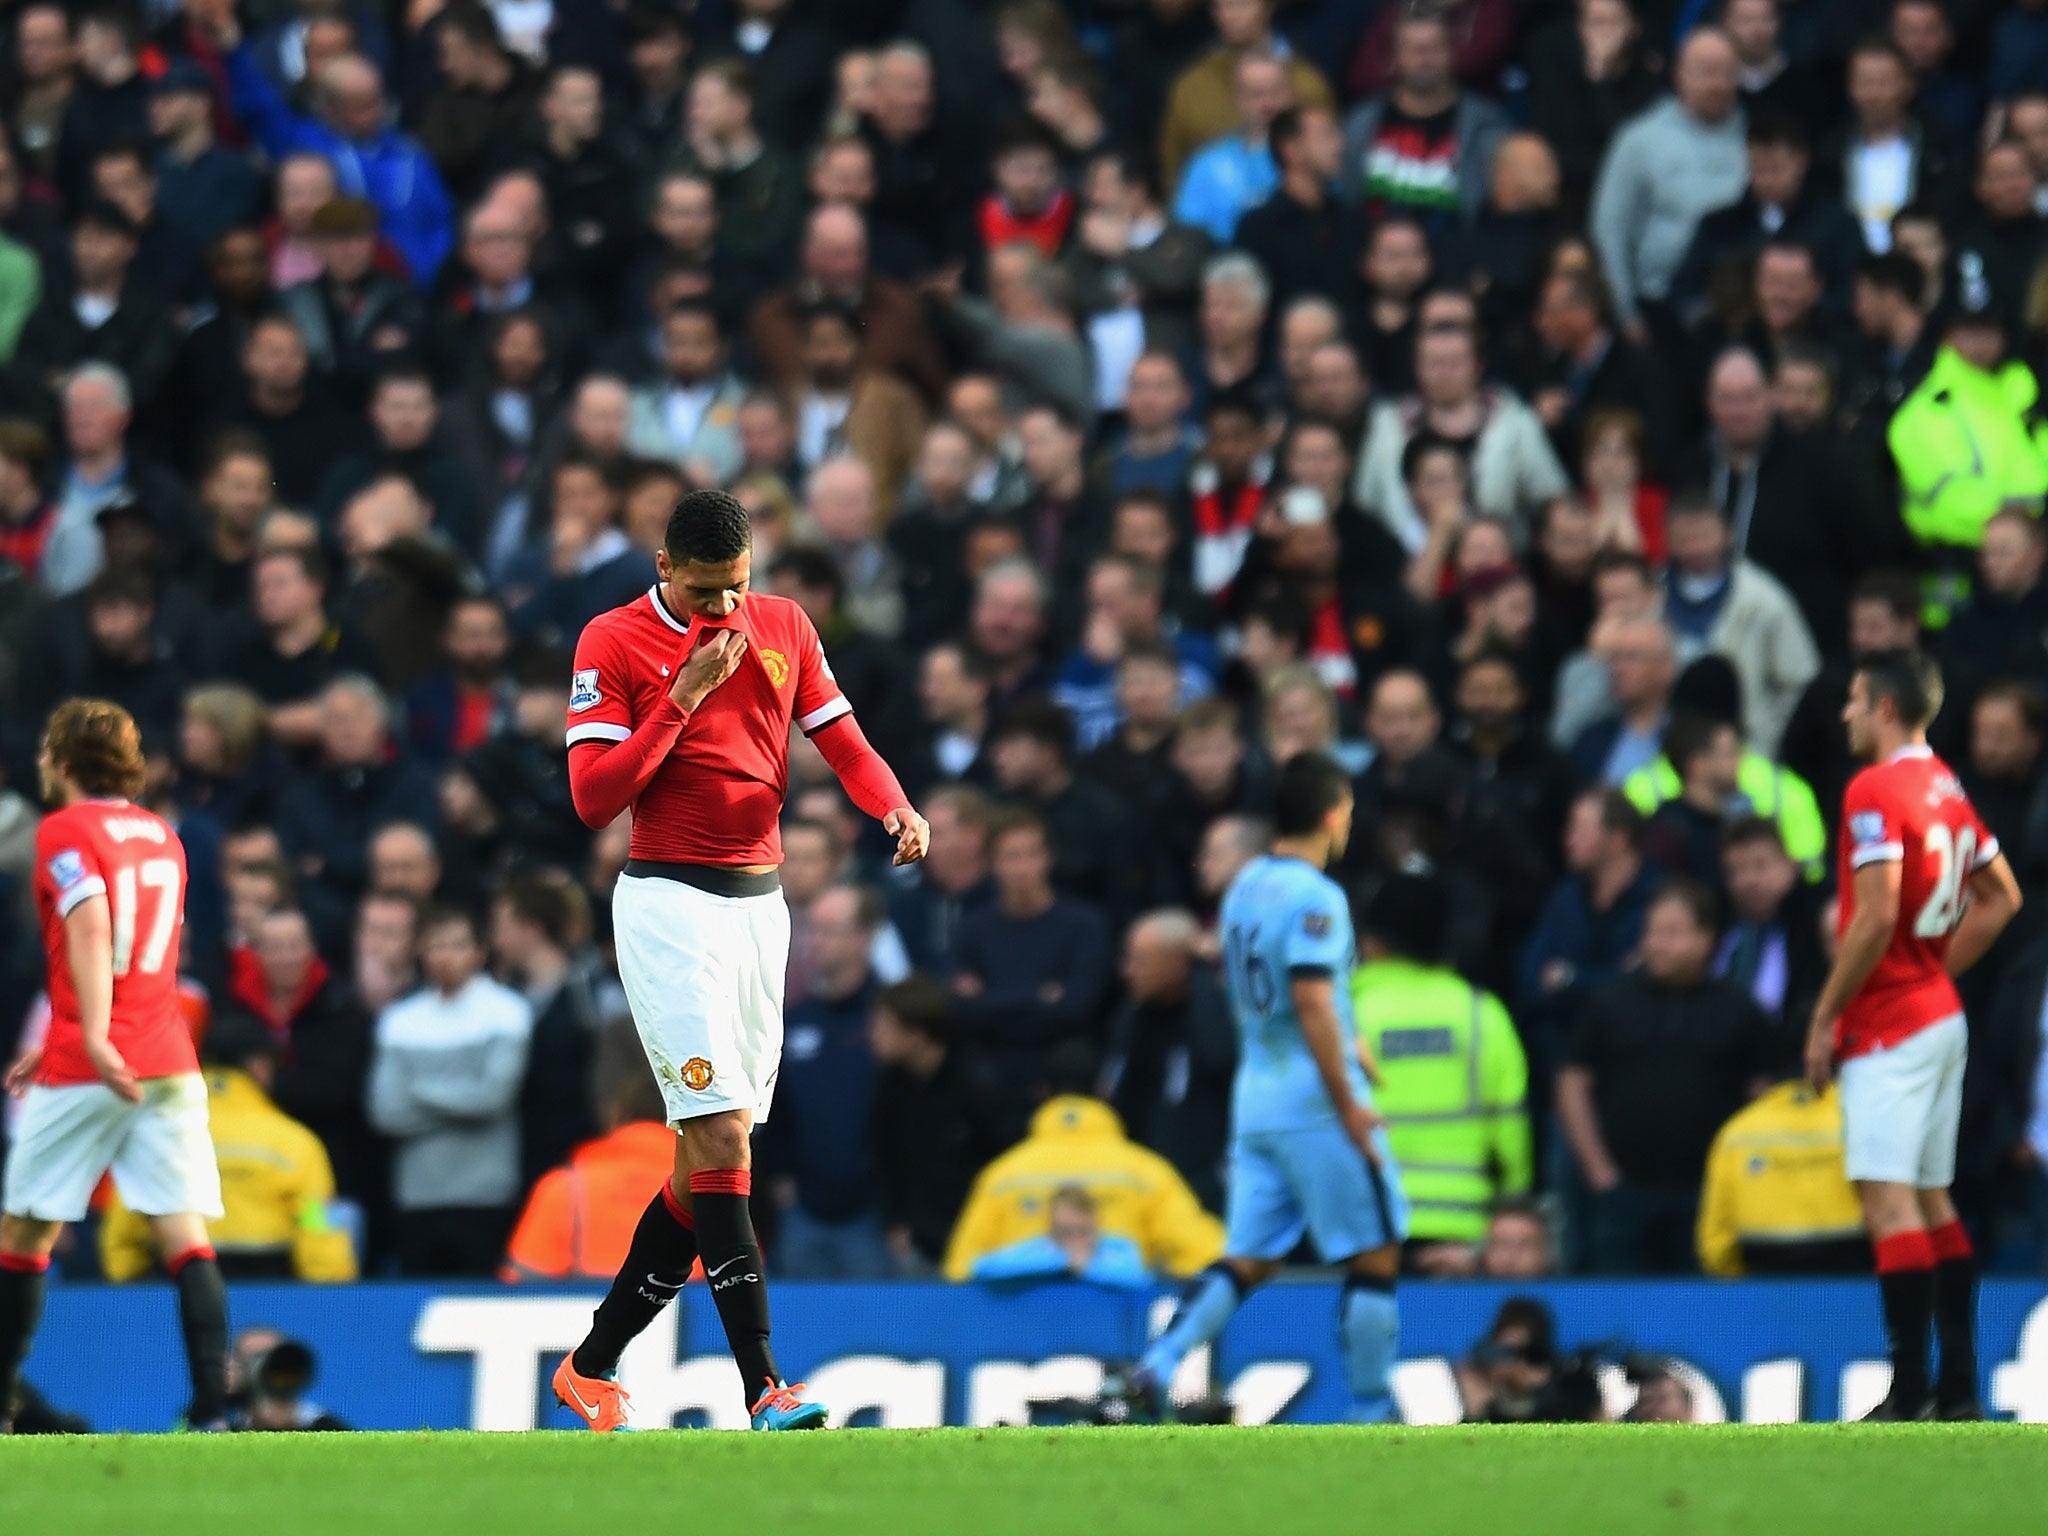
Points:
point(1538, 406)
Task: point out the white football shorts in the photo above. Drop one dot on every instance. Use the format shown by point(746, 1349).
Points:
point(159, 1151)
point(1901, 1108)
point(704, 976)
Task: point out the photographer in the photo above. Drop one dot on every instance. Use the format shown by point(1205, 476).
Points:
point(1515, 1375)
point(268, 1375)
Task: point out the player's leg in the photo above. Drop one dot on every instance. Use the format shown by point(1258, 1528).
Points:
point(1887, 1102)
point(1955, 1259)
point(165, 1169)
point(664, 966)
point(1358, 1217)
point(62, 1144)
point(25, 1247)
point(720, 1152)
point(1262, 1225)
point(190, 1261)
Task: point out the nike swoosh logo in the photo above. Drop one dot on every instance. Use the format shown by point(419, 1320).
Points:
point(663, 1285)
point(713, 1274)
point(587, 1411)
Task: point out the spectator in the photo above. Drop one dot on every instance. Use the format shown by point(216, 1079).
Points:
point(453, 711)
point(952, 885)
point(1780, 204)
point(1453, 1082)
point(1589, 370)
point(1658, 1062)
point(1795, 510)
point(1231, 175)
point(1031, 757)
point(833, 264)
point(1776, 1200)
point(1772, 947)
point(104, 315)
point(1592, 922)
point(2001, 773)
point(1033, 967)
point(1203, 105)
point(1136, 276)
point(1028, 201)
point(349, 128)
point(1126, 601)
point(1719, 603)
point(1426, 147)
point(931, 1120)
point(540, 928)
point(326, 817)
point(1663, 173)
point(1683, 837)
point(690, 415)
point(27, 513)
point(1025, 331)
point(1077, 1142)
point(953, 694)
point(1131, 761)
point(1073, 1247)
point(758, 185)
point(846, 408)
point(842, 507)
point(299, 422)
point(1974, 393)
point(1172, 1051)
point(288, 649)
point(1892, 353)
point(279, 1218)
point(202, 189)
point(817, 1154)
point(385, 944)
point(351, 314)
point(1518, 1243)
point(1588, 75)
point(1513, 469)
point(1884, 614)
point(321, 1040)
point(579, 1218)
point(2003, 630)
point(444, 1087)
point(926, 168)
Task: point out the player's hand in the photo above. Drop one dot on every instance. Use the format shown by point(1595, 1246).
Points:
point(912, 832)
point(22, 1070)
point(1360, 1122)
point(113, 1070)
point(709, 665)
point(1820, 1055)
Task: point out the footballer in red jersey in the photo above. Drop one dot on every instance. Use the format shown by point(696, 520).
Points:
point(680, 710)
point(1924, 893)
point(114, 1084)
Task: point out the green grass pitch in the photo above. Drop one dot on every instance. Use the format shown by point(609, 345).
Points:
point(1813, 1480)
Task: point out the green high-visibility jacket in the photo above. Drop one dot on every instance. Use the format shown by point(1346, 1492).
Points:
point(1453, 1086)
point(1778, 795)
point(1966, 446)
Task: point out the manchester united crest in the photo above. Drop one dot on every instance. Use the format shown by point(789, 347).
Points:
point(777, 665)
point(697, 1074)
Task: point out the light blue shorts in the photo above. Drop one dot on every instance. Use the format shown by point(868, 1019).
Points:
point(1284, 1184)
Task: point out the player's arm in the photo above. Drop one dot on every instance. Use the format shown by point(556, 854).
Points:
point(1876, 884)
point(824, 714)
point(1994, 902)
point(89, 952)
point(610, 762)
point(1315, 1004)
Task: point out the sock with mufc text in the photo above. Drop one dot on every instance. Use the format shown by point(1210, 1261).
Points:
point(203, 1315)
point(1905, 1275)
point(23, 1279)
point(657, 1267)
point(1955, 1315)
point(732, 1266)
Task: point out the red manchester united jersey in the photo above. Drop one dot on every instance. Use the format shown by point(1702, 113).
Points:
point(120, 851)
point(1910, 810)
point(717, 797)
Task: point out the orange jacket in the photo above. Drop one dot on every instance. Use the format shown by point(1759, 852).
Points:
point(579, 1220)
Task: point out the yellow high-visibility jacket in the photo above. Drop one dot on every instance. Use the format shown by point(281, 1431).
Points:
point(276, 1186)
point(1080, 1141)
point(1775, 1190)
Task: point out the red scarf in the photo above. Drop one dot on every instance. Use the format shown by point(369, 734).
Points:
point(1047, 231)
point(247, 986)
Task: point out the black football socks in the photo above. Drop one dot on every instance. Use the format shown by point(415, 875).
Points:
point(1955, 1316)
point(657, 1267)
point(203, 1315)
point(24, 1277)
point(733, 1268)
point(1905, 1275)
